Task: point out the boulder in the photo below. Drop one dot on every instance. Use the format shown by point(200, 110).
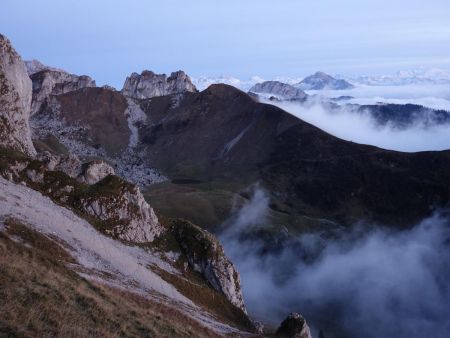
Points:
point(294, 326)
point(95, 171)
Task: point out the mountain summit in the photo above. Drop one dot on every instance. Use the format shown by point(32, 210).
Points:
point(321, 80)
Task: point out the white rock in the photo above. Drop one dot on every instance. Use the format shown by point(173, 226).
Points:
point(132, 217)
point(95, 171)
point(15, 100)
point(55, 82)
point(148, 84)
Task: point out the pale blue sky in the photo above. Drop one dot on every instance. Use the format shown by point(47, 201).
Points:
point(110, 39)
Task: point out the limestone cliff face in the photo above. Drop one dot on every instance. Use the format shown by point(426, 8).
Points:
point(206, 256)
point(55, 82)
point(15, 100)
point(148, 84)
point(123, 206)
point(34, 66)
point(115, 206)
point(278, 89)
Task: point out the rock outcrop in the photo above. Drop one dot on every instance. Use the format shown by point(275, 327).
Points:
point(321, 80)
point(55, 82)
point(206, 256)
point(148, 84)
point(34, 66)
point(278, 89)
point(294, 326)
point(95, 171)
point(113, 205)
point(15, 100)
point(89, 173)
point(122, 206)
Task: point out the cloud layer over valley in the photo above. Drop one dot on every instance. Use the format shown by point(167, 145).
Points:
point(360, 283)
point(362, 128)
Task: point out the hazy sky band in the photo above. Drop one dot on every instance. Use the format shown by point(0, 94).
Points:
point(110, 39)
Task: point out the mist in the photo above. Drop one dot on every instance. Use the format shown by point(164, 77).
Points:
point(362, 128)
point(367, 282)
point(436, 96)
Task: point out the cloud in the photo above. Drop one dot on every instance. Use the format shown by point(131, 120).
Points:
point(359, 283)
point(429, 95)
point(361, 128)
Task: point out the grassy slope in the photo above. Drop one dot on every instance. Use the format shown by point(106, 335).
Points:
point(42, 297)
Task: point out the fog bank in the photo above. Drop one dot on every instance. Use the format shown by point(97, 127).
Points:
point(360, 283)
point(361, 128)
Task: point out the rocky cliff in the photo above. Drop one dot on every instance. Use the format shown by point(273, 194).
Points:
point(34, 66)
point(278, 89)
point(206, 256)
point(49, 81)
point(148, 84)
point(15, 100)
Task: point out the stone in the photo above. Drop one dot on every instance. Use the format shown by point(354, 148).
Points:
point(123, 206)
point(15, 100)
point(148, 84)
point(206, 256)
point(294, 326)
point(95, 171)
point(55, 82)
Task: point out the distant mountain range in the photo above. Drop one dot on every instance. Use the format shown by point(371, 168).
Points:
point(100, 186)
point(406, 77)
point(321, 80)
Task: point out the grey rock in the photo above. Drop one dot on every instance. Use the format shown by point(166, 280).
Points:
point(70, 164)
point(15, 100)
point(294, 326)
point(34, 66)
point(148, 84)
point(130, 216)
point(206, 256)
point(95, 171)
point(55, 82)
point(321, 80)
point(279, 89)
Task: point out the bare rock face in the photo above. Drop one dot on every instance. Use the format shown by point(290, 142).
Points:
point(206, 256)
point(15, 100)
point(34, 66)
point(55, 82)
point(123, 207)
point(70, 165)
point(278, 89)
point(113, 205)
point(148, 84)
point(89, 173)
point(294, 326)
point(95, 171)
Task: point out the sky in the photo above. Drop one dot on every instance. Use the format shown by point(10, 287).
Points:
point(110, 39)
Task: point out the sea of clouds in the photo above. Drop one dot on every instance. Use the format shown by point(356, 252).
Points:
point(362, 128)
point(368, 282)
